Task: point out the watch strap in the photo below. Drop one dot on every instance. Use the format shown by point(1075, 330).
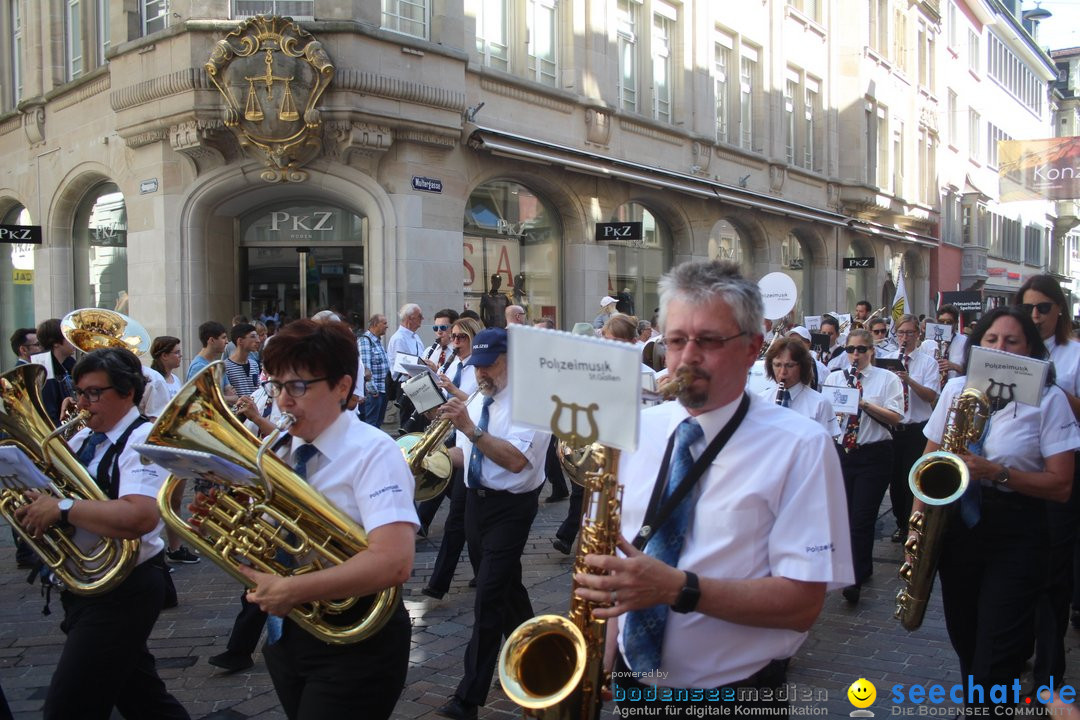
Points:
point(688, 598)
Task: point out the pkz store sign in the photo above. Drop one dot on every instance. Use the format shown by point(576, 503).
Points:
point(857, 263)
point(613, 231)
point(28, 234)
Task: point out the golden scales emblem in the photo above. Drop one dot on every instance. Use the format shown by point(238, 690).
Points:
point(271, 74)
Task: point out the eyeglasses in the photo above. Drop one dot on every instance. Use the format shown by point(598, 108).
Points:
point(295, 388)
point(92, 394)
point(945, 321)
point(880, 331)
point(784, 365)
point(440, 328)
point(459, 336)
point(708, 343)
point(1044, 308)
point(907, 332)
point(856, 349)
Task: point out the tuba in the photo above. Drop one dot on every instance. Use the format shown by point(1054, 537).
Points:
point(92, 329)
point(26, 425)
point(938, 479)
point(427, 457)
point(278, 525)
point(552, 666)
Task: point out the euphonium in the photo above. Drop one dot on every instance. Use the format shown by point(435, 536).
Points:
point(552, 666)
point(280, 515)
point(26, 425)
point(427, 457)
point(938, 479)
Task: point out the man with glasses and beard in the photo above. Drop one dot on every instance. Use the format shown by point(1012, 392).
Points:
point(736, 511)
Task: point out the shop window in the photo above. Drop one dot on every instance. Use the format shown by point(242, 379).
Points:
point(635, 266)
point(794, 260)
point(16, 285)
point(512, 253)
point(726, 243)
point(100, 249)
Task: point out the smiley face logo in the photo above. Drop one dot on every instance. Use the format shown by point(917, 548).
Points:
point(862, 693)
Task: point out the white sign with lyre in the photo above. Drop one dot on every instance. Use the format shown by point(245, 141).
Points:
point(582, 388)
point(1005, 377)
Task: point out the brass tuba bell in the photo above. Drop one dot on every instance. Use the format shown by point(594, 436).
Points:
point(92, 329)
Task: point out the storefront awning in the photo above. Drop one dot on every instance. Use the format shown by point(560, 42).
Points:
point(907, 236)
point(519, 147)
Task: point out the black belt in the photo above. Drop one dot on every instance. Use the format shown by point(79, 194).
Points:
point(489, 492)
point(907, 427)
point(864, 446)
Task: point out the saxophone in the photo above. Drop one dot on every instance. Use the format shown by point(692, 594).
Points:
point(552, 666)
point(938, 479)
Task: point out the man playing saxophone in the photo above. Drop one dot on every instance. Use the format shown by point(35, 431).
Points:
point(312, 368)
point(737, 552)
point(105, 662)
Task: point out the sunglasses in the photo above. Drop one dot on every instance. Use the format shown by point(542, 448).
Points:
point(459, 336)
point(856, 349)
point(440, 328)
point(880, 331)
point(1044, 307)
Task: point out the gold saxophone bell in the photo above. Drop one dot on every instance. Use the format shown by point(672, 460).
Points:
point(92, 329)
point(938, 479)
point(25, 424)
point(427, 457)
point(280, 524)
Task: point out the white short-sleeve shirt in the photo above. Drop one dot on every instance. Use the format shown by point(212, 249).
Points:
point(771, 504)
point(923, 370)
point(136, 478)
point(879, 387)
point(1066, 359)
point(531, 443)
point(362, 471)
point(956, 350)
point(809, 403)
point(1021, 436)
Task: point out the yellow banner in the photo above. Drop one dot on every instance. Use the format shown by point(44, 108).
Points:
point(1039, 169)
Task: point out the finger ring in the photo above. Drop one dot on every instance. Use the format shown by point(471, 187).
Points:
point(614, 597)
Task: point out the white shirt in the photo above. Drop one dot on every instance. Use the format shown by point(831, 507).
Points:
point(771, 504)
point(156, 394)
point(136, 478)
point(923, 370)
point(809, 403)
point(431, 352)
point(173, 384)
point(531, 443)
point(467, 382)
point(956, 350)
point(1021, 436)
point(362, 471)
point(879, 387)
point(1066, 360)
point(406, 341)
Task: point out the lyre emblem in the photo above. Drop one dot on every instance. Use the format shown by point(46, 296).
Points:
point(1000, 394)
point(572, 436)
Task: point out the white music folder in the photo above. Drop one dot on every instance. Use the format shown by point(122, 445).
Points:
point(195, 464)
point(18, 471)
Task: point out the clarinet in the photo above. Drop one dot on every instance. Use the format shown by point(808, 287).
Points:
point(779, 393)
point(449, 360)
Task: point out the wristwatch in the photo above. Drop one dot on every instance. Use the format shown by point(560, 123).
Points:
point(65, 506)
point(689, 596)
point(477, 433)
point(1002, 478)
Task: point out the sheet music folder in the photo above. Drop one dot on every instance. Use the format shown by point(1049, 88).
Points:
point(192, 464)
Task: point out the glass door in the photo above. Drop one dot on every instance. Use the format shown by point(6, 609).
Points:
point(293, 282)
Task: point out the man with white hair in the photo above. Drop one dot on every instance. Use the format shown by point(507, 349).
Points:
point(404, 340)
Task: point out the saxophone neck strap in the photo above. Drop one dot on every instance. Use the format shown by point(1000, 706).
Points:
point(657, 514)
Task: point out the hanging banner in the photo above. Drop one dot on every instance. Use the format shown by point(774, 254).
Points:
point(1039, 169)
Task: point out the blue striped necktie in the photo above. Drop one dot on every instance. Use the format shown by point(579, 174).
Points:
point(643, 634)
point(90, 446)
point(476, 459)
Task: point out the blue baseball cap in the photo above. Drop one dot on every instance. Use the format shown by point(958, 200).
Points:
point(487, 346)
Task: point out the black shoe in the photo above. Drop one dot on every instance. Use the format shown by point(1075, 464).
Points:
point(561, 545)
point(556, 496)
point(231, 661)
point(432, 593)
point(899, 536)
point(851, 593)
point(472, 583)
point(457, 709)
point(181, 555)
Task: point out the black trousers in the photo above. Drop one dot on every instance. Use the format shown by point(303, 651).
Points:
point(497, 526)
point(453, 539)
point(633, 697)
point(867, 470)
point(908, 445)
point(1052, 607)
point(568, 530)
point(247, 627)
point(105, 662)
point(553, 469)
point(316, 681)
point(991, 576)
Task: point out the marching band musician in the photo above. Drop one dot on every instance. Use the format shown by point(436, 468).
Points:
point(862, 313)
point(737, 568)
point(789, 362)
point(1042, 298)
point(312, 368)
point(953, 362)
point(504, 472)
point(818, 369)
point(58, 359)
point(921, 383)
point(105, 662)
point(866, 447)
point(991, 567)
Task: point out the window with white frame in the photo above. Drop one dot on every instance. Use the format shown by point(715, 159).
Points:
point(748, 82)
point(877, 144)
point(16, 51)
point(791, 87)
point(928, 188)
point(994, 135)
point(927, 48)
point(155, 15)
point(1011, 73)
point(952, 108)
point(808, 8)
point(103, 30)
point(1033, 244)
point(663, 31)
point(408, 17)
point(491, 33)
point(974, 135)
point(722, 47)
point(73, 39)
point(811, 109)
point(952, 21)
point(628, 19)
point(974, 63)
point(296, 9)
point(879, 25)
point(542, 27)
point(900, 40)
point(898, 160)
